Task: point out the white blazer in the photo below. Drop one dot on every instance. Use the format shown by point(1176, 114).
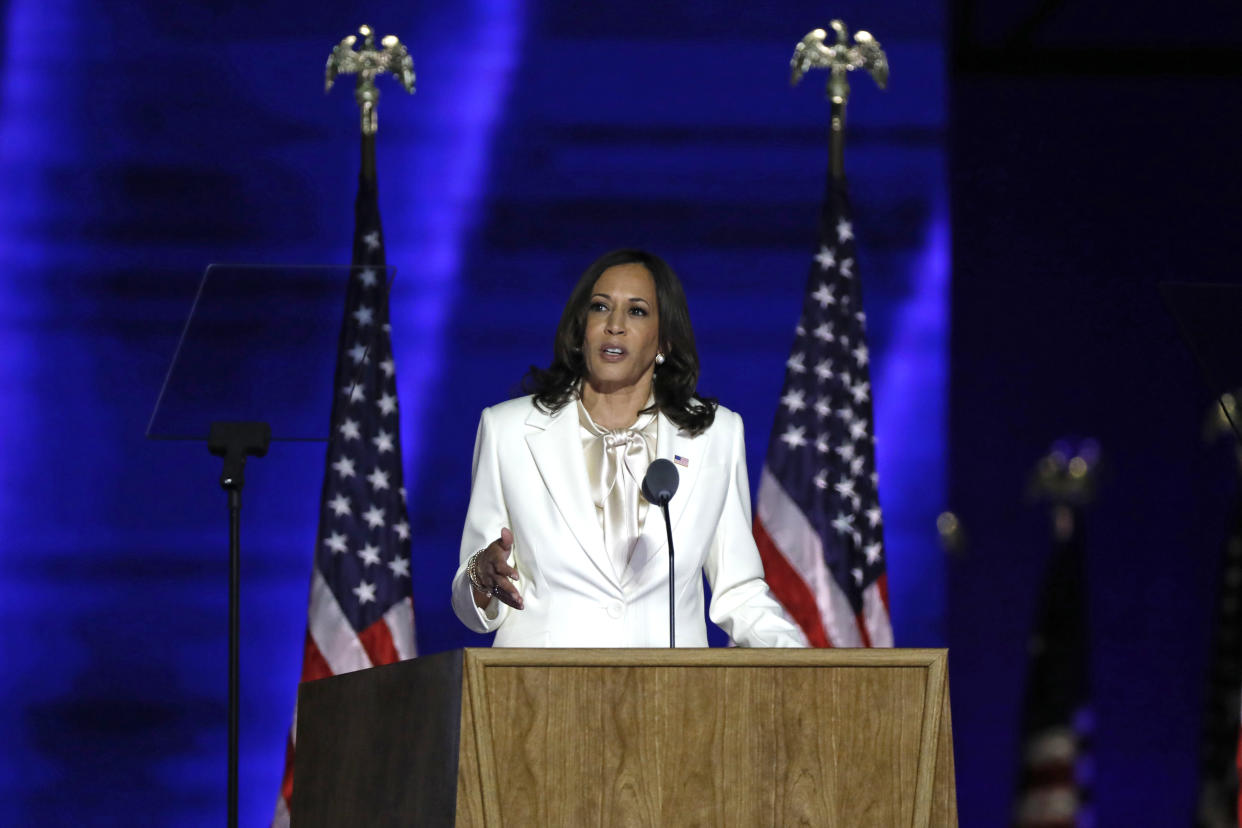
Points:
point(530, 475)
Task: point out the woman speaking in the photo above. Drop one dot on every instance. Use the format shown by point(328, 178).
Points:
point(560, 549)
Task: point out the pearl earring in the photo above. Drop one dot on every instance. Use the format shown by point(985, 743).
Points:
point(659, 359)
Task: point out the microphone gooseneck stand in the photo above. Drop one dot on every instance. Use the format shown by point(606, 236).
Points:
point(235, 441)
point(672, 613)
point(659, 486)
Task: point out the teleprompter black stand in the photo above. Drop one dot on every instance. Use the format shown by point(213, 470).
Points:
point(235, 441)
point(255, 364)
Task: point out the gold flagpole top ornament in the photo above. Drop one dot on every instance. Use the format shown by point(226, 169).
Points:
point(839, 58)
point(367, 63)
point(1066, 479)
point(1068, 474)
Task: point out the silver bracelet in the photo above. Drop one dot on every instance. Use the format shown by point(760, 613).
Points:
point(472, 572)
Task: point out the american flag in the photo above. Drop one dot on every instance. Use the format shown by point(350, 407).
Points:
point(1054, 784)
point(817, 521)
point(361, 610)
point(1219, 751)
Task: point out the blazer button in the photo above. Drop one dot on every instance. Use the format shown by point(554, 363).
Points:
point(616, 609)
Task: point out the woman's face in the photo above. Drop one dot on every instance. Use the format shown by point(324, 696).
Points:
point(622, 334)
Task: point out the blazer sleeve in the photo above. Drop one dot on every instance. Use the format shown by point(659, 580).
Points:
point(485, 516)
point(741, 604)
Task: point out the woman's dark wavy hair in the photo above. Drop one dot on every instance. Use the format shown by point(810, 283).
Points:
point(674, 382)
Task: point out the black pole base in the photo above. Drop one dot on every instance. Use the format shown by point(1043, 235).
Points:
point(235, 441)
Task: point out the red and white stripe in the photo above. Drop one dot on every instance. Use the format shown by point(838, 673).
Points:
point(1050, 796)
point(332, 647)
point(798, 575)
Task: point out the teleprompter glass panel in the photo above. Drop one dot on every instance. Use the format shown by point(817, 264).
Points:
point(1209, 317)
point(261, 344)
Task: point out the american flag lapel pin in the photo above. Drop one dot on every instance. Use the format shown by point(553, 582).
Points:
point(681, 461)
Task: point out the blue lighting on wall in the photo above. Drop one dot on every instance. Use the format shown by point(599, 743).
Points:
point(911, 409)
point(539, 136)
point(443, 182)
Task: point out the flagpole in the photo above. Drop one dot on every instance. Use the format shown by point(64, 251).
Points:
point(1219, 733)
point(367, 167)
point(361, 610)
point(836, 141)
point(821, 455)
point(1056, 720)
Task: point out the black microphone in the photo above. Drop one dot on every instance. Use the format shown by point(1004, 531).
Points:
point(660, 482)
point(659, 486)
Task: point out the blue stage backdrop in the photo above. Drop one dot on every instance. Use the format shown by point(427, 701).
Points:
point(1093, 155)
point(140, 142)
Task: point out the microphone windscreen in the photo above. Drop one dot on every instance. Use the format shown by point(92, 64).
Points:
point(660, 482)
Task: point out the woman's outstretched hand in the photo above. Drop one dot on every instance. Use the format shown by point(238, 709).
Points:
point(495, 573)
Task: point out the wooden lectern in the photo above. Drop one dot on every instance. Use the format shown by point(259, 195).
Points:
point(630, 737)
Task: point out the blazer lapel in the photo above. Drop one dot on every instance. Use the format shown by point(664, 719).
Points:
point(681, 444)
point(671, 443)
point(557, 450)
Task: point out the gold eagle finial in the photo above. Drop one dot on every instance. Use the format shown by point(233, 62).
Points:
point(812, 52)
point(368, 63)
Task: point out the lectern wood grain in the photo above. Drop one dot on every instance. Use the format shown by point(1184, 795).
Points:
point(661, 737)
point(712, 738)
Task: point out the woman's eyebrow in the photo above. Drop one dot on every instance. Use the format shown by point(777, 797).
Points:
point(609, 298)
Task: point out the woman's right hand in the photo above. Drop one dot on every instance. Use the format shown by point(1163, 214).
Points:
point(496, 575)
